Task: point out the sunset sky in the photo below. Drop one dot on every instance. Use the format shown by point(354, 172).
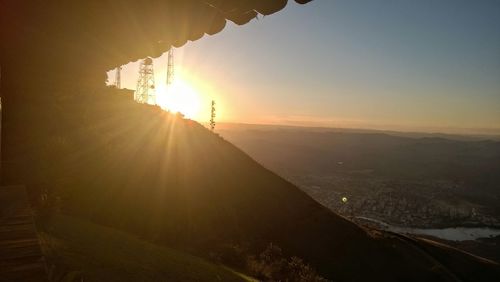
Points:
point(406, 65)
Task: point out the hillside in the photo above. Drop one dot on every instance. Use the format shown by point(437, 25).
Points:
point(117, 256)
point(175, 183)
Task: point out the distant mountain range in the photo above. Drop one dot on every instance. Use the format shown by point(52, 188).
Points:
point(471, 160)
point(494, 136)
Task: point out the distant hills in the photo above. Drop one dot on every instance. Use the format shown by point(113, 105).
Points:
point(410, 156)
point(494, 135)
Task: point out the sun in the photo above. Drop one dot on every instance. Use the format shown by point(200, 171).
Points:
point(179, 97)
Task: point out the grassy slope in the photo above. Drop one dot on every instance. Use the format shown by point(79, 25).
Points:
point(105, 254)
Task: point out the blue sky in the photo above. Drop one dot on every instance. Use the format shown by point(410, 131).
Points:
point(405, 65)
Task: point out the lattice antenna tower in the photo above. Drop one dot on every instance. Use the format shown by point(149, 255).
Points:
point(118, 77)
point(145, 91)
point(212, 117)
point(170, 67)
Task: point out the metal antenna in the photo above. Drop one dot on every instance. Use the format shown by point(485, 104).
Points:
point(212, 117)
point(118, 79)
point(145, 91)
point(170, 66)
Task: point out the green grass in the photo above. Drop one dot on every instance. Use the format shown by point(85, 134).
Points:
point(76, 247)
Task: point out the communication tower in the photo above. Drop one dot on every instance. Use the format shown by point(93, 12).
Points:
point(170, 66)
point(212, 117)
point(145, 91)
point(118, 79)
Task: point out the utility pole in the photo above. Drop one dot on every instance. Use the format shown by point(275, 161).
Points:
point(212, 117)
point(118, 79)
point(145, 91)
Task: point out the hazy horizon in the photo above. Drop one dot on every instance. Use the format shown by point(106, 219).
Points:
point(494, 134)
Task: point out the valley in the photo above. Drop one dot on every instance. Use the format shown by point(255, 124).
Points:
point(412, 181)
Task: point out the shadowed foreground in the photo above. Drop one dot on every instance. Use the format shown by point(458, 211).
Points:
point(117, 256)
point(20, 255)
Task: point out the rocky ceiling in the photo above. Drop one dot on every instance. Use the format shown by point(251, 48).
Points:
point(102, 34)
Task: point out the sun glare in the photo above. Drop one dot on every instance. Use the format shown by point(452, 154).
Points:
point(179, 97)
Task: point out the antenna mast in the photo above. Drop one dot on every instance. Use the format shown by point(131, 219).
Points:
point(145, 91)
point(212, 117)
point(170, 66)
point(118, 79)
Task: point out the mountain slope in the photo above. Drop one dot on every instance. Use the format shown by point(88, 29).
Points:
point(116, 256)
point(169, 180)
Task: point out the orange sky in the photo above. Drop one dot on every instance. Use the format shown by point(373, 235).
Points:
point(340, 64)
